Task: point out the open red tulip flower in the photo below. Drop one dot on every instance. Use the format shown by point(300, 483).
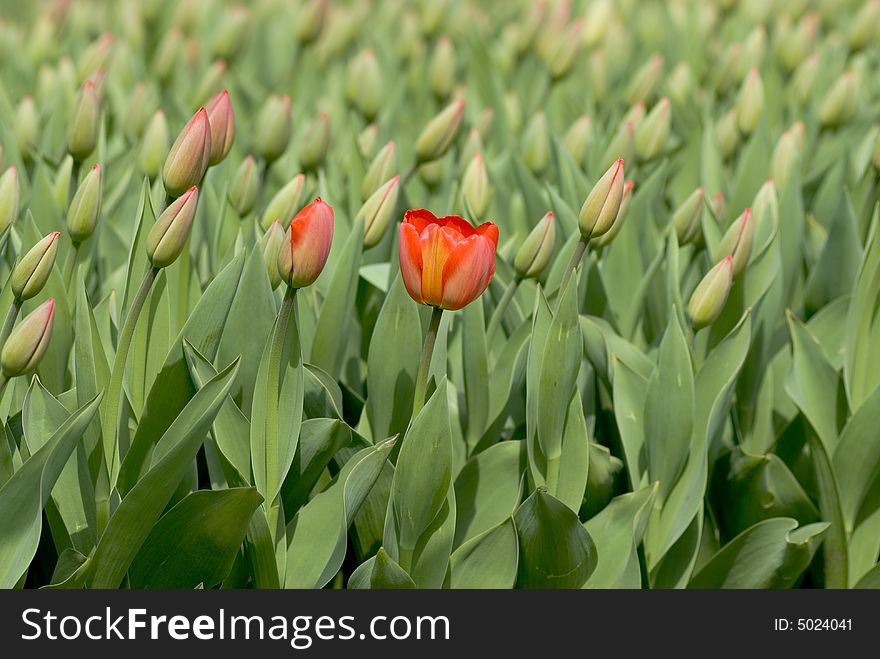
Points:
point(307, 245)
point(446, 262)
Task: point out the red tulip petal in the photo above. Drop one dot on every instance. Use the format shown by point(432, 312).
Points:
point(311, 233)
point(437, 243)
point(490, 231)
point(459, 223)
point(419, 218)
point(410, 249)
point(467, 272)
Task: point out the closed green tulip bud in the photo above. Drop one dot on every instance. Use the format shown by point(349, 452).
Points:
point(688, 218)
point(765, 213)
point(709, 297)
point(432, 14)
point(315, 143)
point(797, 44)
point(85, 207)
point(245, 187)
point(534, 255)
point(26, 126)
point(786, 158)
point(27, 344)
point(169, 234)
point(602, 205)
point(285, 203)
point(210, 82)
point(272, 129)
point(606, 238)
point(154, 146)
point(137, 116)
point(599, 15)
point(727, 71)
point(95, 56)
point(551, 29)
point(367, 140)
point(750, 102)
point(441, 69)
point(841, 103)
point(82, 129)
point(652, 135)
point(737, 241)
point(578, 138)
point(645, 81)
point(866, 25)
point(363, 86)
point(61, 183)
point(381, 169)
point(536, 143)
point(727, 134)
point(753, 51)
point(475, 187)
point(598, 74)
point(378, 211)
point(230, 32)
point(680, 85)
point(31, 273)
point(8, 198)
point(804, 81)
point(434, 173)
point(718, 205)
point(473, 144)
point(622, 143)
point(513, 112)
point(566, 50)
point(221, 119)
point(187, 161)
point(311, 21)
point(168, 54)
point(270, 244)
point(439, 133)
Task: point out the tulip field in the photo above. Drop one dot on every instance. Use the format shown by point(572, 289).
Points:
point(440, 294)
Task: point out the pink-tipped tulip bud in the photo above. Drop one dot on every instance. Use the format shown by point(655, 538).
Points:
point(26, 127)
point(709, 297)
point(565, 52)
point(718, 204)
point(473, 144)
point(270, 244)
point(366, 140)
point(378, 211)
point(95, 56)
point(645, 81)
point(27, 344)
point(285, 202)
point(82, 129)
point(536, 143)
point(841, 103)
point(653, 133)
point(606, 238)
point(31, 273)
point(306, 245)
point(687, 220)
point(85, 207)
point(865, 25)
point(311, 20)
point(245, 187)
point(750, 102)
point(441, 69)
point(602, 205)
point(765, 213)
point(272, 130)
point(9, 194)
point(155, 145)
point(363, 86)
point(727, 134)
point(803, 83)
point(169, 234)
point(534, 255)
point(475, 190)
point(315, 143)
point(578, 138)
point(187, 161)
point(737, 241)
point(786, 159)
point(383, 167)
point(221, 119)
point(439, 133)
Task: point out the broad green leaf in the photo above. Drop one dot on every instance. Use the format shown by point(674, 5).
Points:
point(387, 574)
point(475, 364)
point(319, 441)
point(489, 560)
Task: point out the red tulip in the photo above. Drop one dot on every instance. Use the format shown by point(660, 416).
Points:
point(307, 245)
point(445, 261)
point(221, 120)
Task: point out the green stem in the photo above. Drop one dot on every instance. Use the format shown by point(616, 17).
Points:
point(576, 257)
point(168, 201)
point(503, 303)
point(276, 351)
point(3, 381)
point(110, 419)
point(407, 175)
point(9, 323)
point(425, 363)
point(552, 475)
point(405, 556)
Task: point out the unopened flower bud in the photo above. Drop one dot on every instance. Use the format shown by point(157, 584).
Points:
point(737, 241)
point(578, 138)
point(154, 146)
point(187, 161)
point(708, 299)
point(441, 69)
point(270, 245)
point(85, 207)
point(311, 20)
point(167, 55)
point(27, 344)
point(750, 102)
point(652, 135)
point(272, 129)
point(475, 187)
point(753, 50)
point(439, 133)
point(841, 103)
point(565, 52)
point(82, 128)
point(727, 134)
point(598, 73)
point(484, 123)
point(680, 85)
point(245, 187)
point(804, 81)
point(606, 238)
point(363, 87)
point(536, 143)
point(210, 82)
point(513, 112)
point(381, 169)
point(285, 202)
point(26, 126)
point(315, 143)
point(95, 56)
point(599, 15)
point(221, 119)
point(32, 271)
point(432, 14)
point(795, 45)
point(169, 234)
point(786, 159)
point(8, 198)
point(688, 218)
point(433, 173)
point(865, 25)
point(718, 205)
point(306, 245)
point(230, 32)
point(534, 255)
point(367, 140)
point(378, 211)
point(602, 205)
point(645, 81)
point(137, 116)
point(726, 76)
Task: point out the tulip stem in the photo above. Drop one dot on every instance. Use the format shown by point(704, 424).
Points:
point(576, 257)
point(503, 303)
point(9, 323)
point(425, 363)
point(3, 381)
point(407, 175)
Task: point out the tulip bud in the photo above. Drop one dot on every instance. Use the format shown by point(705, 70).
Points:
point(536, 143)
point(31, 273)
point(737, 241)
point(605, 239)
point(765, 213)
point(473, 144)
point(221, 119)
point(306, 245)
point(645, 81)
point(270, 245)
point(623, 143)
point(434, 173)
point(786, 157)
point(534, 255)
point(566, 50)
point(187, 161)
point(169, 234)
point(97, 79)
point(718, 205)
point(578, 139)
point(680, 84)
point(688, 218)
point(154, 146)
point(378, 211)
point(168, 54)
point(439, 133)
point(513, 112)
point(727, 77)
point(552, 26)
point(367, 140)
point(804, 81)
point(363, 86)
point(284, 203)
point(795, 45)
point(381, 169)
point(441, 70)
point(599, 15)
point(484, 123)
point(311, 21)
point(602, 205)
point(753, 50)
point(82, 129)
point(229, 34)
point(245, 187)
point(654, 132)
point(865, 25)
point(137, 116)
point(8, 198)
point(85, 207)
point(26, 126)
point(27, 344)
point(841, 103)
point(708, 299)
point(315, 143)
point(727, 134)
point(750, 102)
point(272, 129)
point(475, 186)
point(598, 74)
point(95, 56)
point(432, 14)
point(211, 81)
